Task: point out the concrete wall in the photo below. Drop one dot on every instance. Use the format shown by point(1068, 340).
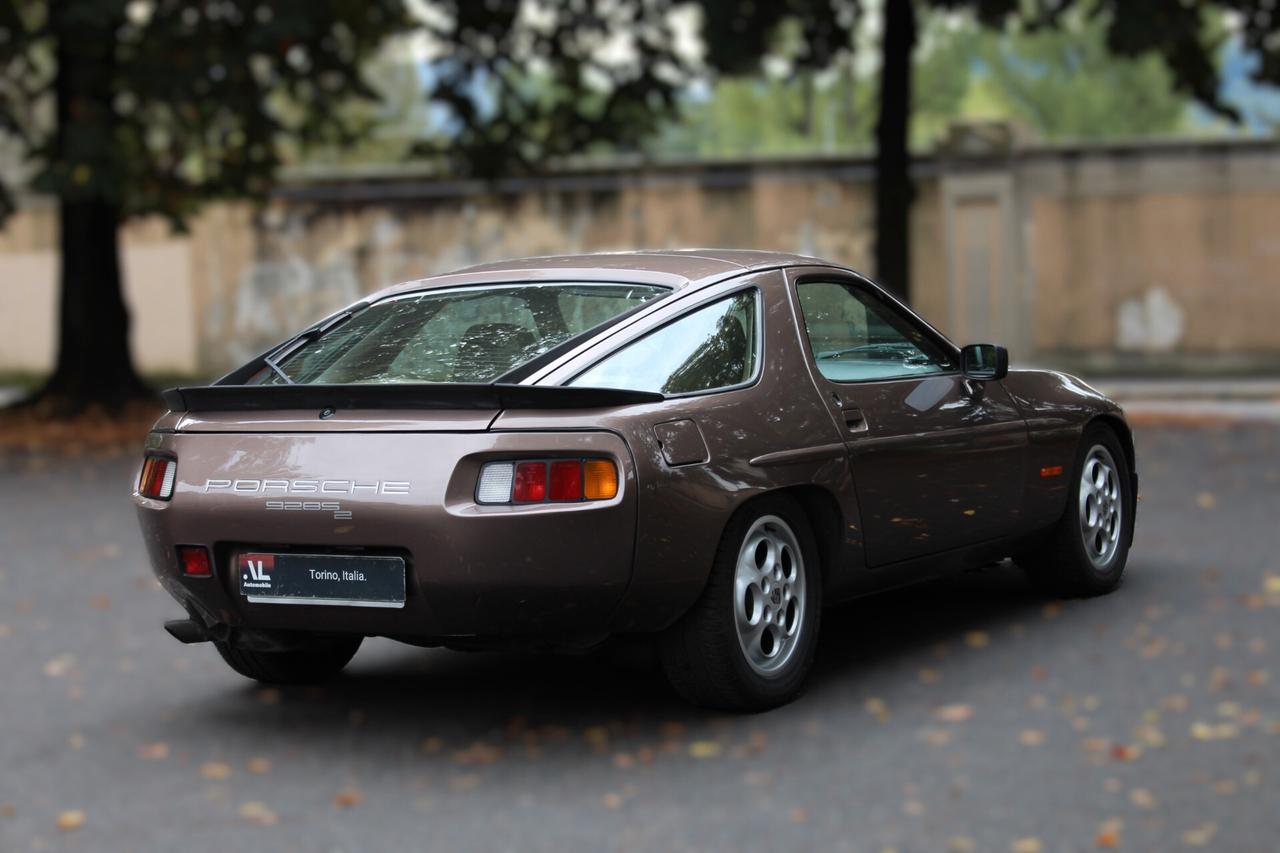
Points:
point(1106, 255)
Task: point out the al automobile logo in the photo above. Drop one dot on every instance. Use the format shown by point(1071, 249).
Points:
point(255, 570)
point(268, 487)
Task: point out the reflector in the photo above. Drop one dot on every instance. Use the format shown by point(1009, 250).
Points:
point(195, 561)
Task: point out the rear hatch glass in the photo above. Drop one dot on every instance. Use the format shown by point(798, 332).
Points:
point(460, 335)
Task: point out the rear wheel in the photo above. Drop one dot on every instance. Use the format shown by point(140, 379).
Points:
point(748, 642)
point(1088, 549)
point(317, 661)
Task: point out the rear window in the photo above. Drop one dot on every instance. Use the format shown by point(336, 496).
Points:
point(473, 334)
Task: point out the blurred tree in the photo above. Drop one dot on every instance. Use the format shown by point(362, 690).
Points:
point(134, 107)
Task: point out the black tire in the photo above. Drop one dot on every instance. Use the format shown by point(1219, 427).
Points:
point(1064, 565)
point(319, 661)
point(702, 655)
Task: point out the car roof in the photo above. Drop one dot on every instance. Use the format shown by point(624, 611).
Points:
point(674, 268)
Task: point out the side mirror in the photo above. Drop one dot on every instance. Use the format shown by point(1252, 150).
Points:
point(984, 362)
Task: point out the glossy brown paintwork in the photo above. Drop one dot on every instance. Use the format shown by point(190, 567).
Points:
point(943, 472)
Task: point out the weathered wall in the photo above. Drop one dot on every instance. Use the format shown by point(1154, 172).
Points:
point(1120, 254)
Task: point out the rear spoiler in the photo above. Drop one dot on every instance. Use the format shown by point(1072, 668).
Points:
point(260, 398)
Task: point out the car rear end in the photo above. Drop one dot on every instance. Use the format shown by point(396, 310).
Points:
point(273, 506)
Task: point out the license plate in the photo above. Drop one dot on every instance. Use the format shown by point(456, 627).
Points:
point(322, 579)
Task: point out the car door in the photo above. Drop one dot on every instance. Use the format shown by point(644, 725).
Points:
point(938, 461)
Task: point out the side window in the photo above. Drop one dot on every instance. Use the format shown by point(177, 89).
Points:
point(712, 347)
point(855, 337)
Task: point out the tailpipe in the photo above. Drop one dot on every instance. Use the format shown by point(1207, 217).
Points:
point(187, 631)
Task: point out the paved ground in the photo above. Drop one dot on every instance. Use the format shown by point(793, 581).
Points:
point(965, 715)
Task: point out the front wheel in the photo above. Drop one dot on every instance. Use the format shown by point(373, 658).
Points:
point(748, 642)
point(313, 663)
point(1087, 552)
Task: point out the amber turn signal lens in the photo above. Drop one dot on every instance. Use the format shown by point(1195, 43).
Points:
point(599, 480)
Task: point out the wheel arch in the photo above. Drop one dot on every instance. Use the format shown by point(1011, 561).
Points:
point(821, 510)
point(1120, 427)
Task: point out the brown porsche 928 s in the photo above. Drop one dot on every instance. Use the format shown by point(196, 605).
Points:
point(708, 446)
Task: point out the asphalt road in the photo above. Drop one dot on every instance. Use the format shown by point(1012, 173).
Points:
point(962, 715)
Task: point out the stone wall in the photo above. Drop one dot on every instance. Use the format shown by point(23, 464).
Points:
point(1121, 255)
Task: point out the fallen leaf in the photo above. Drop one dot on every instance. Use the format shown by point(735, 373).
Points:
point(347, 797)
point(928, 675)
point(1026, 845)
point(101, 602)
point(877, 708)
point(977, 639)
point(1142, 798)
point(270, 696)
point(432, 745)
point(216, 770)
point(480, 752)
point(465, 782)
point(1031, 737)
point(258, 813)
point(624, 760)
point(258, 766)
point(936, 737)
point(705, 749)
point(673, 729)
point(75, 740)
point(961, 844)
point(1206, 500)
point(597, 737)
point(157, 751)
point(1124, 752)
point(611, 800)
point(5, 631)
point(1271, 584)
point(59, 666)
point(799, 814)
point(1200, 836)
point(70, 820)
point(954, 713)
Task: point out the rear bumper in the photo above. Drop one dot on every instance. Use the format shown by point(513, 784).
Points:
point(547, 570)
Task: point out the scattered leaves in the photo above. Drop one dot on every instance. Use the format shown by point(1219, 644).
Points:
point(1142, 798)
point(60, 666)
point(346, 798)
point(70, 820)
point(958, 713)
point(1200, 836)
point(1026, 845)
point(215, 770)
point(705, 749)
point(977, 639)
point(157, 751)
point(258, 766)
point(258, 813)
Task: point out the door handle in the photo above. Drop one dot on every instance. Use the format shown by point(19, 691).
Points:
point(854, 420)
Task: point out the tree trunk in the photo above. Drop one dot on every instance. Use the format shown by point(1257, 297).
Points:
point(894, 191)
point(94, 365)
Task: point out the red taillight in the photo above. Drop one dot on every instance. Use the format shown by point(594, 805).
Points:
point(566, 481)
point(530, 483)
point(157, 478)
point(195, 561)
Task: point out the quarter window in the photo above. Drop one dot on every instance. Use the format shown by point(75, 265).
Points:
point(710, 348)
point(855, 337)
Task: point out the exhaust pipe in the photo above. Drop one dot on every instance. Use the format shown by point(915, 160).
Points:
point(187, 631)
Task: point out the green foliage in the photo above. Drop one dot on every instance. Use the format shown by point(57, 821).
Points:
point(157, 105)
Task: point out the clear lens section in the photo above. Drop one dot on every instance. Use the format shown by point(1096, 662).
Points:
point(170, 473)
point(495, 483)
